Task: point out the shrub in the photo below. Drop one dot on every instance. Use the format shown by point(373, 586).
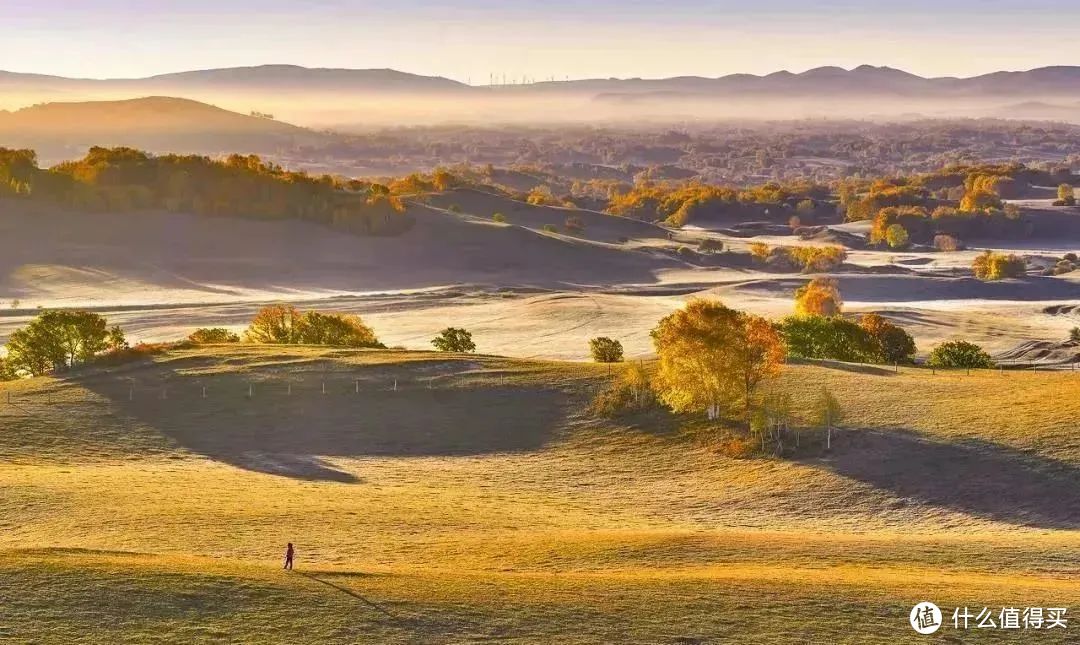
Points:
point(549, 228)
point(946, 243)
point(123, 355)
point(630, 392)
point(453, 208)
point(736, 447)
point(606, 350)
point(710, 245)
point(213, 335)
point(997, 266)
point(815, 259)
point(453, 339)
point(574, 224)
point(541, 196)
point(959, 353)
point(498, 217)
point(759, 250)
point(1074, 334)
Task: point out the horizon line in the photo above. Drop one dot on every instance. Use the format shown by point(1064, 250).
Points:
point(534, 81)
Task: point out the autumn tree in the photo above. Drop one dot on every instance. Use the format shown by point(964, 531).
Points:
point(896, 236)
point(1066, 195)
point(339, 330)
point(606, 350)
point(275, 324)
point(454, 339)
point(998, 266)
point(819, 297)
point(891, 343)
point(713, 358)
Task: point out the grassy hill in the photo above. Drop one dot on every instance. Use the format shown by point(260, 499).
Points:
point(155, 123)
point(449, 498)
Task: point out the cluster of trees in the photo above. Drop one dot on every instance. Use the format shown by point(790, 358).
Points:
point(678, 203)
point(58, 340)
point(990, 265)
point(870, 339)
point(880, 195)
point(714, 358)
point(718, 361)
point(285, 324)
point(819, 330)
point(124, 179)
point(808, 259)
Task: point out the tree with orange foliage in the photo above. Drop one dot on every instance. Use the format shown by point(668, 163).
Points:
point(819, 297)
point(713, 358)
point(892, 344)
point(276, 324)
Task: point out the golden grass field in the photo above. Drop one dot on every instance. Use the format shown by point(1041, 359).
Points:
point(479, 501)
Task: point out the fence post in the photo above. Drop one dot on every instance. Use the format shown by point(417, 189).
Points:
point(358, 386)
point(324, 387)
point(395, 385)
point(204, 391)
point(289, 392)
point(251, 391)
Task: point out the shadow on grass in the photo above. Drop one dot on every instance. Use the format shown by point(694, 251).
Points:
point(982, 479)
point(291, 426)
point(352, 593)
point(855, 368)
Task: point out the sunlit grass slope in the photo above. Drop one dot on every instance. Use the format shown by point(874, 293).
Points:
point(443, 498)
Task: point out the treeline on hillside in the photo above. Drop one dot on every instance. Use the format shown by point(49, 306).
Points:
point(677, 204)
point(124, 179)
point(959, 201)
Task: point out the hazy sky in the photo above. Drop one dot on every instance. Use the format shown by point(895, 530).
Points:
point(470, 39)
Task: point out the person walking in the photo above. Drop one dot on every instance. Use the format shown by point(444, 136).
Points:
point(289, 552)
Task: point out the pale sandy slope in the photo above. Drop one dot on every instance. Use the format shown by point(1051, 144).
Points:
point(521, 291)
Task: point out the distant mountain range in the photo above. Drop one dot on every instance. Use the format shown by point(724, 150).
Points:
point(866, 79)
point(275, 78)
point(366, 97)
